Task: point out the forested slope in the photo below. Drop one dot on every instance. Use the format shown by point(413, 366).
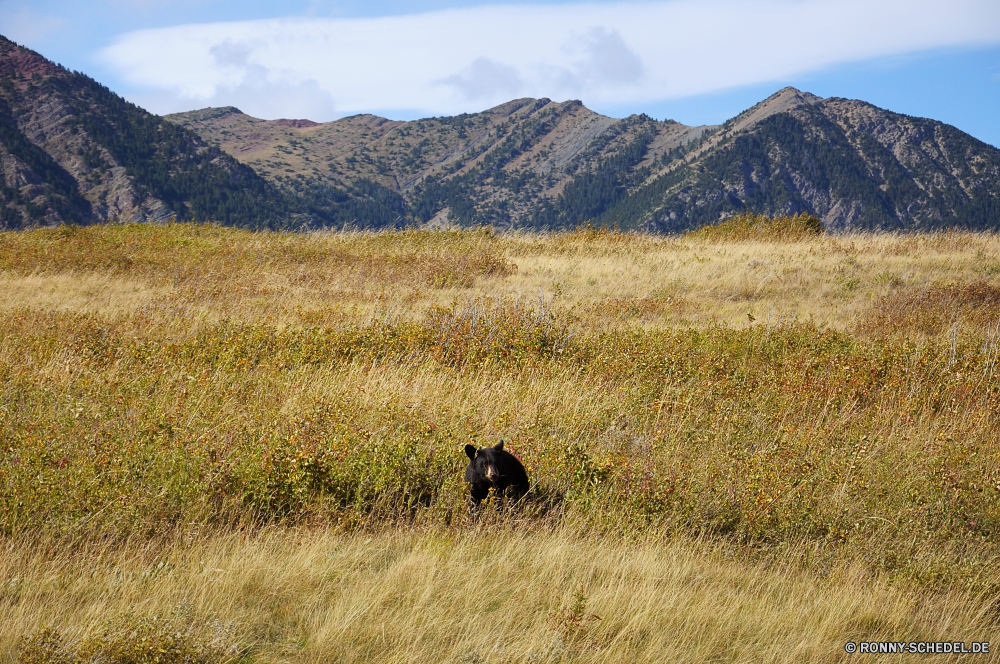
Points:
point(72, 151)
point(540, 164)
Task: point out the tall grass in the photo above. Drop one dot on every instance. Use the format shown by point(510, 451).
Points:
point(159, 381)
point(487, 595)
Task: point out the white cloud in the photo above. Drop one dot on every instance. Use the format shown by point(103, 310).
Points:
point(461, 60)
point(485, 78)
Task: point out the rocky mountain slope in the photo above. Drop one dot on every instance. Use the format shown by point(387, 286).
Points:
point(853, 165)
point(500, 167)
point(73, 151)
point(540, 164)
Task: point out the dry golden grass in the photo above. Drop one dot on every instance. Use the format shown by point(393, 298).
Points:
point(828, 280)
point(497, 595)
point(718, 483)
point(191, 276)
point(92, 293)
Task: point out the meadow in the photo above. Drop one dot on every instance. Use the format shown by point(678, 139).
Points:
point(755, 442)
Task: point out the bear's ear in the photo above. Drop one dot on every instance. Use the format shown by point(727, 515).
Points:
point(470, 451)
point(499, 446)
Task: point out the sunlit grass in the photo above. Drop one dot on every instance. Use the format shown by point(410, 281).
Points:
point(486, 595)
point(816, 413)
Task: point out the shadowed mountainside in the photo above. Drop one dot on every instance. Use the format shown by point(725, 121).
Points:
point(540, 164)
point(73, 151)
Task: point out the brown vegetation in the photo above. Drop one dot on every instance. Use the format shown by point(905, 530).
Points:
point(205, 427)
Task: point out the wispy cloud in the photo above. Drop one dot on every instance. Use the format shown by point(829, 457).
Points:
point(485, 78)
point(458, 60)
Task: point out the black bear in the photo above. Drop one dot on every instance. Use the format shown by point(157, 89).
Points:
point(493, 467)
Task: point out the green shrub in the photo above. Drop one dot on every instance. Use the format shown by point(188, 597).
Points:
point(761, 228)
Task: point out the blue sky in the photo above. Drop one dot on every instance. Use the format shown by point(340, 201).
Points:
point(696, 61)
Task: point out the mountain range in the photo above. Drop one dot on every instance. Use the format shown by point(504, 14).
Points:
point(72, 151)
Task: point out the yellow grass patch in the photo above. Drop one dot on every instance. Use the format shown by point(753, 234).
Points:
point(94, 293)
point(508, 596)
point(238, 445)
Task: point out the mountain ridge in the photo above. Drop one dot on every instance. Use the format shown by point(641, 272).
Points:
point(72, 151)
point(126, 164)
point(464, 161)
point(852, 164)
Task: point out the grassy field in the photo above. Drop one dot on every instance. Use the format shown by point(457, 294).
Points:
point(750, 443)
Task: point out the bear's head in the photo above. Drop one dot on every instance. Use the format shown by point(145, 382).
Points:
point(485, 465)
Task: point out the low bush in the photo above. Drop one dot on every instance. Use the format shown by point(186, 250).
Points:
point(762, 434)
point(131, 640)
point(761, 228)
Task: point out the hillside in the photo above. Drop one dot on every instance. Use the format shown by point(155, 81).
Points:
point(540, 164)
point(752, 446)
point(73, 151)
point(525, 163)
point(852, 164)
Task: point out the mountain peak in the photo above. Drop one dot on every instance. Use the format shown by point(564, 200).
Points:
point(210, 113)
point(781, 101)
point(790, 93)
point(73, 151)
